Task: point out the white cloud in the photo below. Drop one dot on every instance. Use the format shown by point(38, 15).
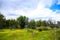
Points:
point(41, 11)
point(58, 2)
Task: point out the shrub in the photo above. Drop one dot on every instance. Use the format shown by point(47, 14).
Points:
point(42, 28)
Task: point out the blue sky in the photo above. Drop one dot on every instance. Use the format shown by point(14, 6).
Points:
point(34, 9)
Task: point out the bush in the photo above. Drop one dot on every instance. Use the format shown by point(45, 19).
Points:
point(42, 28)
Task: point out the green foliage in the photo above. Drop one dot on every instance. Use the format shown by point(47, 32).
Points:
point(11, 24)
point(22, 20)
point(2, 21)
point(42, 28)
point(38, 23)
point(43, 23)
point(51, 24)
point(32, 24)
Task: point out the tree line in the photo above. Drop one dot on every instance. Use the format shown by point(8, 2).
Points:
point(23, 22)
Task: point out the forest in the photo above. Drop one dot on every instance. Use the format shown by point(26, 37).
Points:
point(23, 22)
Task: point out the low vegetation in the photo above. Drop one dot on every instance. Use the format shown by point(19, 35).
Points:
point(28, 34)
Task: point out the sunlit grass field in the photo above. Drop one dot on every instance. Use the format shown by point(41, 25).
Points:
point(25, 34)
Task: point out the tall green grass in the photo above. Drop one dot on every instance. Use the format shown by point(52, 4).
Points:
point(24, 34)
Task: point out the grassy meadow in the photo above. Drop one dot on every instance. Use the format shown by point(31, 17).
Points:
point(25, 34)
